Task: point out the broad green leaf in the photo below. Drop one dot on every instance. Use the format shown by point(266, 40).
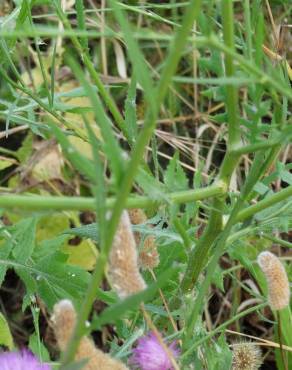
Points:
point(24, 239)
point(82, 255)
point(51, 225)
point(5, 334)
point(174, 177)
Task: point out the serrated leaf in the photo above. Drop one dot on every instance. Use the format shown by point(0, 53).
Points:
point(86, 231)
point(150, 185)
point(217, 278)
point(5, 250)
point(24, 239)
point(174, 177)
point(5, 334)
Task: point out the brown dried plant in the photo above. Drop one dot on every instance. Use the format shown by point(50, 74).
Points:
point(63, 322)
point(277, 280)
point(123, 261)
point(148, 254)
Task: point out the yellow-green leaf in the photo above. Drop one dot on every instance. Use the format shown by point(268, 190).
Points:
point(5, 334)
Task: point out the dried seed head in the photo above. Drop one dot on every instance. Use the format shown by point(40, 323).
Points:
point(148, 255)
point(123, 262)
point(277, 279)
point(63, 322)
point(246, 356)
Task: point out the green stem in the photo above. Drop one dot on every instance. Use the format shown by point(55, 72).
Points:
point(199, 256)
point(220, 244)
point(192, 11)
point(263, 204)
point(110, 103)
point(221, 328)
point(276, 240)
point(34, 202)
point(251, 148)
point(250, 67)
point(231, 90)
point(43, 105)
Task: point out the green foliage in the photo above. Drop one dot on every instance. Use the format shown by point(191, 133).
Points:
point(43, 269)
point(5, 334)
point(206, 81)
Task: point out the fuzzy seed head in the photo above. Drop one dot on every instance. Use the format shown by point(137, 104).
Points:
point(123, 262)
point(246, 356)
point(277, 280)
point(148, 255)
point(63, 322)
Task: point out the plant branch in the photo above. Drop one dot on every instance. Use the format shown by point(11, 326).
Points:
point(198, 257)
point(33, 202)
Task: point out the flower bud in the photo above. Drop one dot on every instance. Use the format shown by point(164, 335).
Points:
point(63, 322)
point(123, 261)
point(277, 280)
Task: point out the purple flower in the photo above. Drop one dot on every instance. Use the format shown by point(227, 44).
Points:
point(23, 360)
point(150, 355)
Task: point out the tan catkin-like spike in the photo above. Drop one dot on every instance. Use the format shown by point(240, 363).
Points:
point(246, 356)
point(148, 255)
point(277, 280)
point(123, 261)
point(63, 322)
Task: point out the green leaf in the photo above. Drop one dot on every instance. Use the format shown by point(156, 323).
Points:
point(24, 239)
point(38, 348)
point(174, 177)
point(5, 334)
point(87, 231)
point(6, 162)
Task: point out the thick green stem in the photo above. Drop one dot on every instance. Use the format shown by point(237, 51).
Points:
point(33, 202)
point(199, 256)
point(231, 90)
point(263, 204)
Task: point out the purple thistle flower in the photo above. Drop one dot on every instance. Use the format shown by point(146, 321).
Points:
point(23, 360)
point(150, 355)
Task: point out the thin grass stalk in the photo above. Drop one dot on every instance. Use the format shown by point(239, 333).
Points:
point(191, 13)
point(110, 103)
